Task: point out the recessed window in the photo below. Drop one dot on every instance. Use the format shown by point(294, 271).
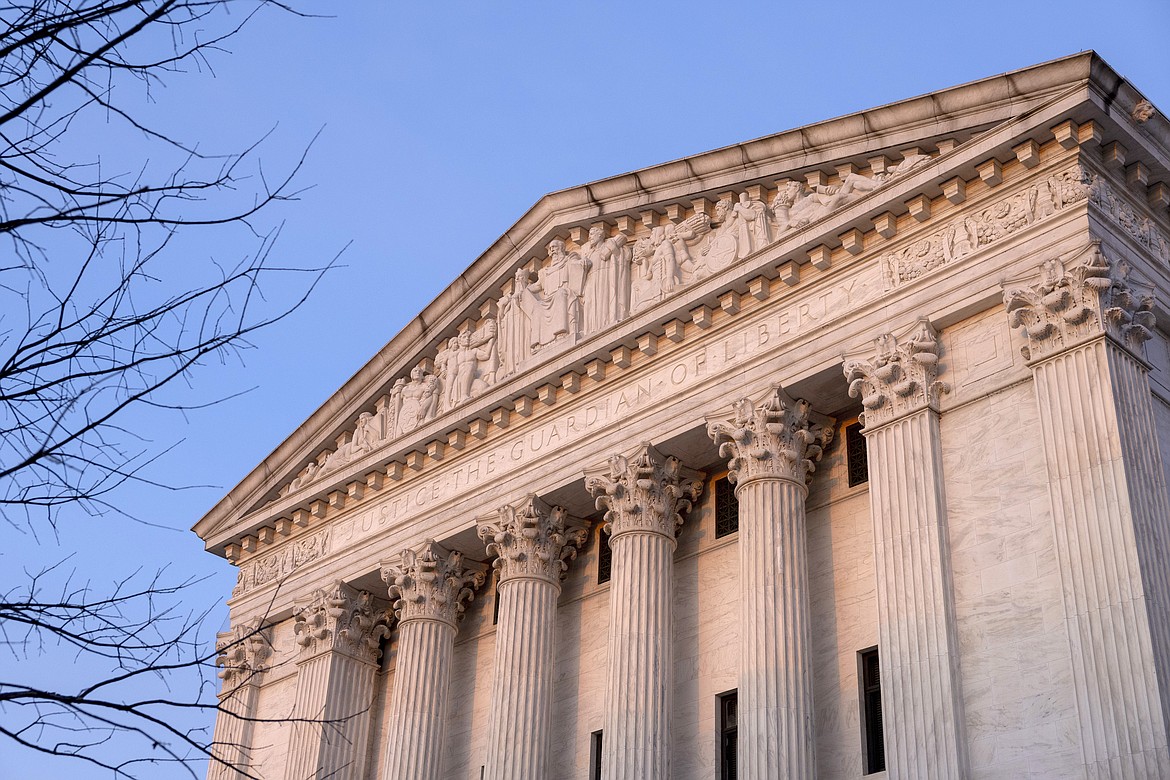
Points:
point(856, 454)
point(595, 756)
point(496, 603)
point(726, 508)
point(728, 717)
point(604, 557)
point(872, 732)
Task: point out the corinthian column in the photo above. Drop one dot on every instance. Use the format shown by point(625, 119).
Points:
point(339, 633)
point(644, 498)
point(430, 588)
point(1086, 328)
point(241, 654)
point(772, 449)
point(917, 644)
point(532, 542)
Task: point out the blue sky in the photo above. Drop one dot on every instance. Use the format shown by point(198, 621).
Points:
point(440, 124)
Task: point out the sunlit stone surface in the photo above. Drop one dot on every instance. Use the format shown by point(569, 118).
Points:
point(502, 550)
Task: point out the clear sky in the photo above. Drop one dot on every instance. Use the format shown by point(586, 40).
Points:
point(441, 123)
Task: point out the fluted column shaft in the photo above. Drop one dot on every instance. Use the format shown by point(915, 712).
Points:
point(532, 542)
point(519, 725)
point(918, 646)
point(639, 686)
point(772, 448)
point(430, 587)
point(418, 704)
point(1109, 506)
point(645, 497)
point(339, 632)
point(232, 738)
point(1086, 327)
point(242, 654)
point(918, 650)
point(331, 725)
point(775, 696)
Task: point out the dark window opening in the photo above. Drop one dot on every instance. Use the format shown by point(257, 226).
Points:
point(604, 557)
point(856, 454)
point(595, 756)
point(728, 717)
point(726, 508)
point(496, 603)
point(872, 732)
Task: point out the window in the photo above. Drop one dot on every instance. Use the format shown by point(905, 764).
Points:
point(726, 508)
point(595, 756)
point(604, 557)
point(872, 733)
point(496, 603)
point(856, 454)
point(727, 735)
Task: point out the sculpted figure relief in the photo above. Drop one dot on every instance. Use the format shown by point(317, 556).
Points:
point(414, 402)
point(469, 364)
point(607, 282)
point(513, 335)
point(577, 293)
point(552, 305)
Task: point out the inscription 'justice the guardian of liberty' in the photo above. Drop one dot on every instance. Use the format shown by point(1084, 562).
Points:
point(711, 360)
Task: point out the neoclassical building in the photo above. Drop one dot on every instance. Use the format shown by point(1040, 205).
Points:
point(836, 453)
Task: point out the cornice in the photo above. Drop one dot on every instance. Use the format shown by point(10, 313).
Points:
point(778, 267)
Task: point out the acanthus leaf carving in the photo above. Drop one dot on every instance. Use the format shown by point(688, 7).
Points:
point(242, 652)
point(648, 492)
point(900, 378)
point(779, 438)
point(1074, 301)
point(341, 619)
point(532, 539)
point(432, 583)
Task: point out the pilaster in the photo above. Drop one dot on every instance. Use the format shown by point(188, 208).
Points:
point(533, 543)
point(645, 498)
point(1086, 324)
point(772, 450)
point(339, 633)
point(430, 588)
point(241, 655)
point(918, 648)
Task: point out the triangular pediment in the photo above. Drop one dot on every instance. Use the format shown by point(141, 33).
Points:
point(617, 264)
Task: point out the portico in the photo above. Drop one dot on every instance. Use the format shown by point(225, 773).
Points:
point(569, 404)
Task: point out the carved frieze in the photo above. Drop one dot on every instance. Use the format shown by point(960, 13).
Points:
point(900, 378)
point(779, 438)
point(432, 583)
point(647, 492)
point(532, 539)
point(282, 562)
point(242, 652)
point(577, 292)
point(340, 619)
point(961, 236)
point(1086, 295)
point(1138, 225)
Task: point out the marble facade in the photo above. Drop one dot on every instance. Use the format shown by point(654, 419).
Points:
point(978, 279)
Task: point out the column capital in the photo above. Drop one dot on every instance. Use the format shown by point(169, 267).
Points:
point(902, 376)
point(242, 652)
point(647, 492)
point(777, 438)
point(343, 620)
point(432, 583)
point(532, 540)
point(1081, 296)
